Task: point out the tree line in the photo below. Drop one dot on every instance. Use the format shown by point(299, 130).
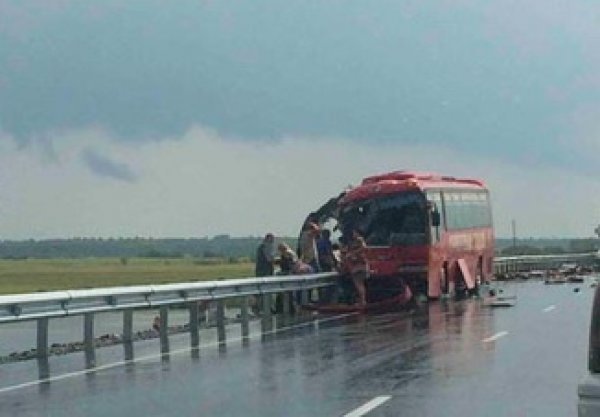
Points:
point(224, 246)
point(533, 246)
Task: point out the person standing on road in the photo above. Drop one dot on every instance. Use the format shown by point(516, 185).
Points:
point(265, 266)
point(265, 257)
point(308, 246)
point(327, 260)
point(355, 262)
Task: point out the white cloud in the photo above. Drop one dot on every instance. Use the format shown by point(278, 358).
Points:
point(202, 185)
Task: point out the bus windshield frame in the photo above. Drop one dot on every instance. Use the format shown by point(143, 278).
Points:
point(397, 219)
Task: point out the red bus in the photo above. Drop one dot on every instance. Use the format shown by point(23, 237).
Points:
point(427, 233)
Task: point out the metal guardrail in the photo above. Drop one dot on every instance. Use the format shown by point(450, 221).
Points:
point(76, 302)
point(507, 264)
point(557, 257)
point(44, 306)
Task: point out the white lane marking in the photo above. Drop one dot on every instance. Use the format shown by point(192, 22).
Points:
point(494, 337)
point(549, 308)
point(160, 355)
point(365, 408)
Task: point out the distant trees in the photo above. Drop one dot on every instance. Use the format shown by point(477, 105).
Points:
point(521, 250)
point(583, 245)
point(222, 246)
point(153, 253)
point(547, 247)
point(532, 250)
point(553, 250)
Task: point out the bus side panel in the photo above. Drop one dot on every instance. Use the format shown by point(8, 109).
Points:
point(472, 245)
point(435, 279)
point(435, 269)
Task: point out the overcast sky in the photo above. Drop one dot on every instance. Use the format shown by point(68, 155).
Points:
point(196, 118)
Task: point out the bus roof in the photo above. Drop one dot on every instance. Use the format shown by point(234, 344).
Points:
point(399, 181)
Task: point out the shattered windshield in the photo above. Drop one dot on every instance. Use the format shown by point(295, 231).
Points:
point(398, 219)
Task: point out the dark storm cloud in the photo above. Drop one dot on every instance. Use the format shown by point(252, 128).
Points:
point(382, 71)
point(105, 167)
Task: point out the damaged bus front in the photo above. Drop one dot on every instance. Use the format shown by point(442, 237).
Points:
point(427, 235)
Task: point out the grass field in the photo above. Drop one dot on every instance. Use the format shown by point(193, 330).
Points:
point(32, 275)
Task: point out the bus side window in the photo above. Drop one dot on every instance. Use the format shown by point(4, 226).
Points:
point(436, 218)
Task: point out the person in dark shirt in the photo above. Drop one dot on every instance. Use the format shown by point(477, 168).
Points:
point(327, 259)
point(265, 257)
point(265, 266)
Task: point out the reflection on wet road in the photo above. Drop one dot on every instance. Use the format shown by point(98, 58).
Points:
point(446, 359)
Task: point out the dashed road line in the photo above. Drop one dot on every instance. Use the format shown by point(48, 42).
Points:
point(494, 337)
point(366, 407)
point(549, 308)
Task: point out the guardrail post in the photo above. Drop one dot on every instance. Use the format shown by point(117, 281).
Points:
point(42, 338)
point(287, 302)
point(221, 322)
point(266, 322)
point(43, 368)
point(322, 293)
point(164, 329)
point(128, 334)
point(266, 305)
point(245, 319)
point(194, 324)
point(305, 297)
point(88, 340)
point(127, 326)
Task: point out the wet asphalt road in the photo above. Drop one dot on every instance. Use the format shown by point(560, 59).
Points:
point(447, 359)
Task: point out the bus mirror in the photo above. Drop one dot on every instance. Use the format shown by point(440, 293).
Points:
point(435, 218)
